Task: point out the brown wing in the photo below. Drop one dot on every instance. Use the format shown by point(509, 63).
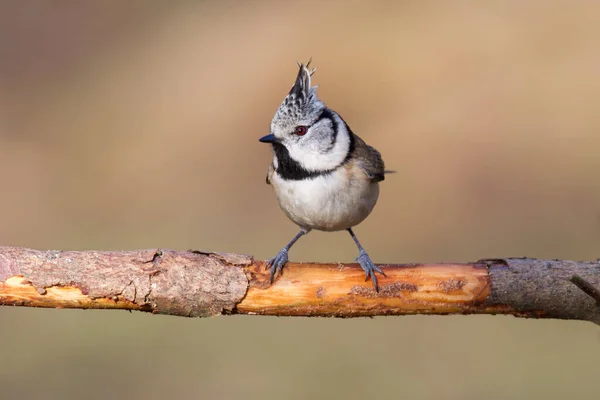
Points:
point(369, 160)
point(269, 174)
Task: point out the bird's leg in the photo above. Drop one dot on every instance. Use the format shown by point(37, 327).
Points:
point(276, 263)
point(365, 262)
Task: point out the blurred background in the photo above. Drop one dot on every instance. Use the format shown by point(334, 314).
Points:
point(135, 124)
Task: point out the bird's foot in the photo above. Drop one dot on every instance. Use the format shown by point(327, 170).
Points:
point(369, 267)
point(276, 263)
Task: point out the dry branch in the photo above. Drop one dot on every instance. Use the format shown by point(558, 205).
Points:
point(196, 283)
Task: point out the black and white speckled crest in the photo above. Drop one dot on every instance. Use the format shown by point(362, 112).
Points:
point(300, 104)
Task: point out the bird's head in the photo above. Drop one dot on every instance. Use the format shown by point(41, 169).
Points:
point(305, 130)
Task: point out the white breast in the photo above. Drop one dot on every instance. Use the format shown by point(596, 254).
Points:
point(332, 202)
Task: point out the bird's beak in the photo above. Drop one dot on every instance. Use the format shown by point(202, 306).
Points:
point(268, 139)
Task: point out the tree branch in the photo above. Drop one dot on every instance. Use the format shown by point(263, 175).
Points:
point(197, 283)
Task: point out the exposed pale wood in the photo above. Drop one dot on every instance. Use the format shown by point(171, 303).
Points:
point(196, 283)
point(16, 290)
point(341, 290)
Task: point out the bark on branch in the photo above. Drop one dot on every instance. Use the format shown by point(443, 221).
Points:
point(198, 283)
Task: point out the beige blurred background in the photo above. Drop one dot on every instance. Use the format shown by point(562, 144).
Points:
point(135, 124)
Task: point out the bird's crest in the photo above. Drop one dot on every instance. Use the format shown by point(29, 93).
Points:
point(302, 89)
point(301, 101)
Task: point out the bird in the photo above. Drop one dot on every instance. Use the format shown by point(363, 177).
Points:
point(325, 177)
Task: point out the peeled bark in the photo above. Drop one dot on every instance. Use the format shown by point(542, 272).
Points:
point(197, 283)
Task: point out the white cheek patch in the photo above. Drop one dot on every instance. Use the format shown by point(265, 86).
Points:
point(313, 160)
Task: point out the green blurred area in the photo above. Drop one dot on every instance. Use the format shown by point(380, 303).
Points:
point(135, 124)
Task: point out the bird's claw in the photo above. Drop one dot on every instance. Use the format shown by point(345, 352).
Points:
point(276, 263)
point(369, 267)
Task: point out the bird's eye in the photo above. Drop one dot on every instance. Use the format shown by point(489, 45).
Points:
point(301, 130)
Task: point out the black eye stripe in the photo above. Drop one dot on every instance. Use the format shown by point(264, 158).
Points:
point(328, 114)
